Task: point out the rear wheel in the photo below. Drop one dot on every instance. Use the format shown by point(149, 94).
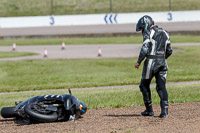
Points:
point(8, 112)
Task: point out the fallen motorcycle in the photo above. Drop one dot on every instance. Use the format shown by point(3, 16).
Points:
point(47, 108)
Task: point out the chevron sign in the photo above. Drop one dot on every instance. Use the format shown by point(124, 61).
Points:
point(110, 18)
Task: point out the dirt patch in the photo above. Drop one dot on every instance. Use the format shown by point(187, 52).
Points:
point(183, 117)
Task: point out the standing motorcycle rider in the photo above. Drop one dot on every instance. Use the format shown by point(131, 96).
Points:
point(156, 49)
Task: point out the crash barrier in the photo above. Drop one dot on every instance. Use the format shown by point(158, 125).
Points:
point(96, 19)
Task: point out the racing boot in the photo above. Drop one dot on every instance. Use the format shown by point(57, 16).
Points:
point(164, 109)
point(149, 109)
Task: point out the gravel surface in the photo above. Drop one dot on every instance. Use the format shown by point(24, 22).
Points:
point(183, 118)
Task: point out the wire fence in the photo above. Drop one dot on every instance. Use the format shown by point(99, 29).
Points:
point(63, 7)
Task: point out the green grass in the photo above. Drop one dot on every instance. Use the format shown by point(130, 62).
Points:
point(113, 98)
point(62, 7)
point(103, 40)
point(184, 65)
point(53, 74)
point(8, 54)
point(74, 73)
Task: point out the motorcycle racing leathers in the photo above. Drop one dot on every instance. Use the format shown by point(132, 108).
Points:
point(156, 49)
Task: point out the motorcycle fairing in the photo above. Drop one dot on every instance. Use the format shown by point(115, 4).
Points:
point(69, 101)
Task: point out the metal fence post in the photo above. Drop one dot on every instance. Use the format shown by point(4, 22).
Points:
point(170, 6)
point(52, 11)
point(111, 6)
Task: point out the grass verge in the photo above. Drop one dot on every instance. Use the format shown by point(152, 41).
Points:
point(55, 74)
point(15, 54)
point(103, 40)
point(112, 98)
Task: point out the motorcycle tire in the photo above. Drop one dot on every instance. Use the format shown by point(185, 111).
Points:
point(8, 112)
point(39, 116)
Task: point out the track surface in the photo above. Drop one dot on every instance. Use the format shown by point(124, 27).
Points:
point(183, 118)
point(94, 29)
point(82, 51)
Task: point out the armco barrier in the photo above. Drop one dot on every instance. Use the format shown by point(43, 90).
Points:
point(96, 19)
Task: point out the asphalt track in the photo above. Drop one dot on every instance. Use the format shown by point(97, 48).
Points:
point(94, 30)
point(82, 51)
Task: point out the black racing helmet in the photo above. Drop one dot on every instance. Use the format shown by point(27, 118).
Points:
point(144, 22)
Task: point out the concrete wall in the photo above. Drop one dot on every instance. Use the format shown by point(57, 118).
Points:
point(96, 19)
